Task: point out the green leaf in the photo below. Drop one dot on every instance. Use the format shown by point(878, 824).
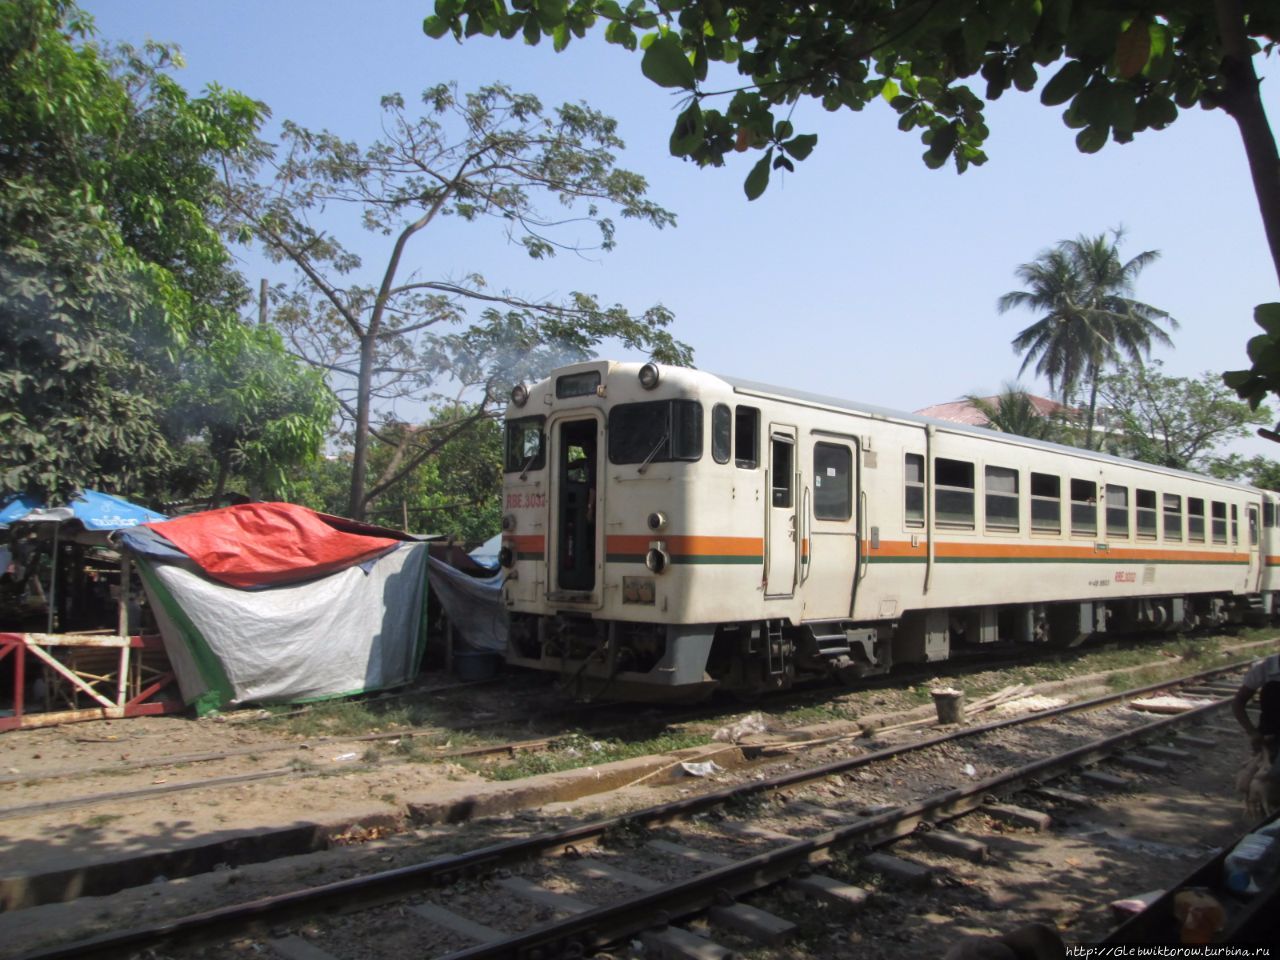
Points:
point(800, 147)
point(758, 178)
point(1092, 138)
point(560, 35)
point(532, 30)
point(435, 27)
point(1065, 84)
point(1133, 49)
point(666, 64)
point(686, 136)
point(1267, 316)
point(889, 91)
point(551, 13)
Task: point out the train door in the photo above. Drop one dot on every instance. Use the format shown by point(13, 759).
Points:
point(829, 527)
point(577, 468)
point(782, 544)
point(1253, 531)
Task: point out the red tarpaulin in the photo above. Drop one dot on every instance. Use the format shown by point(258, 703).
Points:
point(257, 544)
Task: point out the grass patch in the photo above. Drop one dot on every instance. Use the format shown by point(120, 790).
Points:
point(577, 750)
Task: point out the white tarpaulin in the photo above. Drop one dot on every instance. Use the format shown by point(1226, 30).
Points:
point(356, 630)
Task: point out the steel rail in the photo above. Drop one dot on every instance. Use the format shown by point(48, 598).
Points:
point(223, 922)
point(581, 933)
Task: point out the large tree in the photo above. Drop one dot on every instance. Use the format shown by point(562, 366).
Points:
point(114, 278)
point(1119, 66)
point(1174, 421)
point(392, 333)
point(1082, 289)
point(1014, 411)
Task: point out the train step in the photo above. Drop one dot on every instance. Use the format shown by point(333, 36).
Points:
point(829, 638)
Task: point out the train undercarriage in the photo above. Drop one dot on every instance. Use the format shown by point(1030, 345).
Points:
point(661, 662)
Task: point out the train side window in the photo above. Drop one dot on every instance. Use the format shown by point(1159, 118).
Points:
point(832, 482)
point(1195, 519)
point(781, 479)
point(953, 493)
point(1235, 525)
point(746, 438)
point(1084, 507)
point(1046, 503)
point(1145, 506)
point(1002, 498)
point(913, 481)
point(1268, 513)
point(1117, 511)
point(721, 433)
point(1253, 526)
point(1172, 516)
point(1219, 521)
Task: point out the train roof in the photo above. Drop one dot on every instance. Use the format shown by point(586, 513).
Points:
point(898, 416)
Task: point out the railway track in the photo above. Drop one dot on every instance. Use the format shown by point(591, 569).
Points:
point(577, 891)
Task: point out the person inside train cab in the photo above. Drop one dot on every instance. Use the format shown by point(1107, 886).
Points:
point(1263, 679)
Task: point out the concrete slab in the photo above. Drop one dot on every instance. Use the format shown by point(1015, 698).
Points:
point(673, 943)
point(760, 925)
point(441, 917)
point(954, 845)
point(897, 869)
point(1018, 816)
point(548, 898)
point(831, 891)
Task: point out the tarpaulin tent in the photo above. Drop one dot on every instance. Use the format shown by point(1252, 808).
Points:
point(274, 603)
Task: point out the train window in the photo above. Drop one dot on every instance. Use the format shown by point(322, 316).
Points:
point(524, 447)
point(1195, 519)
point(1219, 521)
point(1172, 516)
point(721, 433)
point(1145, 504)
point(578, 384)
point(746, 438)
point(658, 431)
point(1046, 503)
point(1235, 524)
point(1117, 511)
point(1253, 526)
point(953, 492)
point(1002, 498)
point(1084, 507)
point(832, 482)
point(1268, 513)
point(913, 475)
point(780, 480)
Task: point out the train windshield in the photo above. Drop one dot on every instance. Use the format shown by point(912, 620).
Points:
point(525, 448)
point(655, 432)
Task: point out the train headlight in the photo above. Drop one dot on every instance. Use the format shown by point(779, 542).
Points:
point(649, 376)
point(656, 559)
point(519, 394)
point(657, 520)
point(508, 522)
point(506, 557)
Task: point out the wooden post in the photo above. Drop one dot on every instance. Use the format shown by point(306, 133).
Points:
point(122, 607)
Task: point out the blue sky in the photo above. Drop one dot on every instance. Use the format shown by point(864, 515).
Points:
point(863, 275)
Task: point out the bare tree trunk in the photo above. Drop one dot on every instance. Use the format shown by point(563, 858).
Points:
point(360, 453)
point(1243, 102)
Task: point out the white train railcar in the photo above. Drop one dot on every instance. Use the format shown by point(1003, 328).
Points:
point(667, 532)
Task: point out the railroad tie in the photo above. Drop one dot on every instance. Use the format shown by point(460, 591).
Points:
point(1168, 753)
point(1193, 741)
point(833, 892)
point(1137, 761)
point(959, 845)
point(1018, 816)
point(1058, 795)
point(602, 871)
point(897, 869)
point(704, 857)
point(803, 808)
point(752, 832)
point(1101, 778)
point(442, 917)
point(561, 902)
point(673, 943)
point(760, 925)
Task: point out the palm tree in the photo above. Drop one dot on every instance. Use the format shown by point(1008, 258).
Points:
point(1013, 411)
point(1084, 290)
